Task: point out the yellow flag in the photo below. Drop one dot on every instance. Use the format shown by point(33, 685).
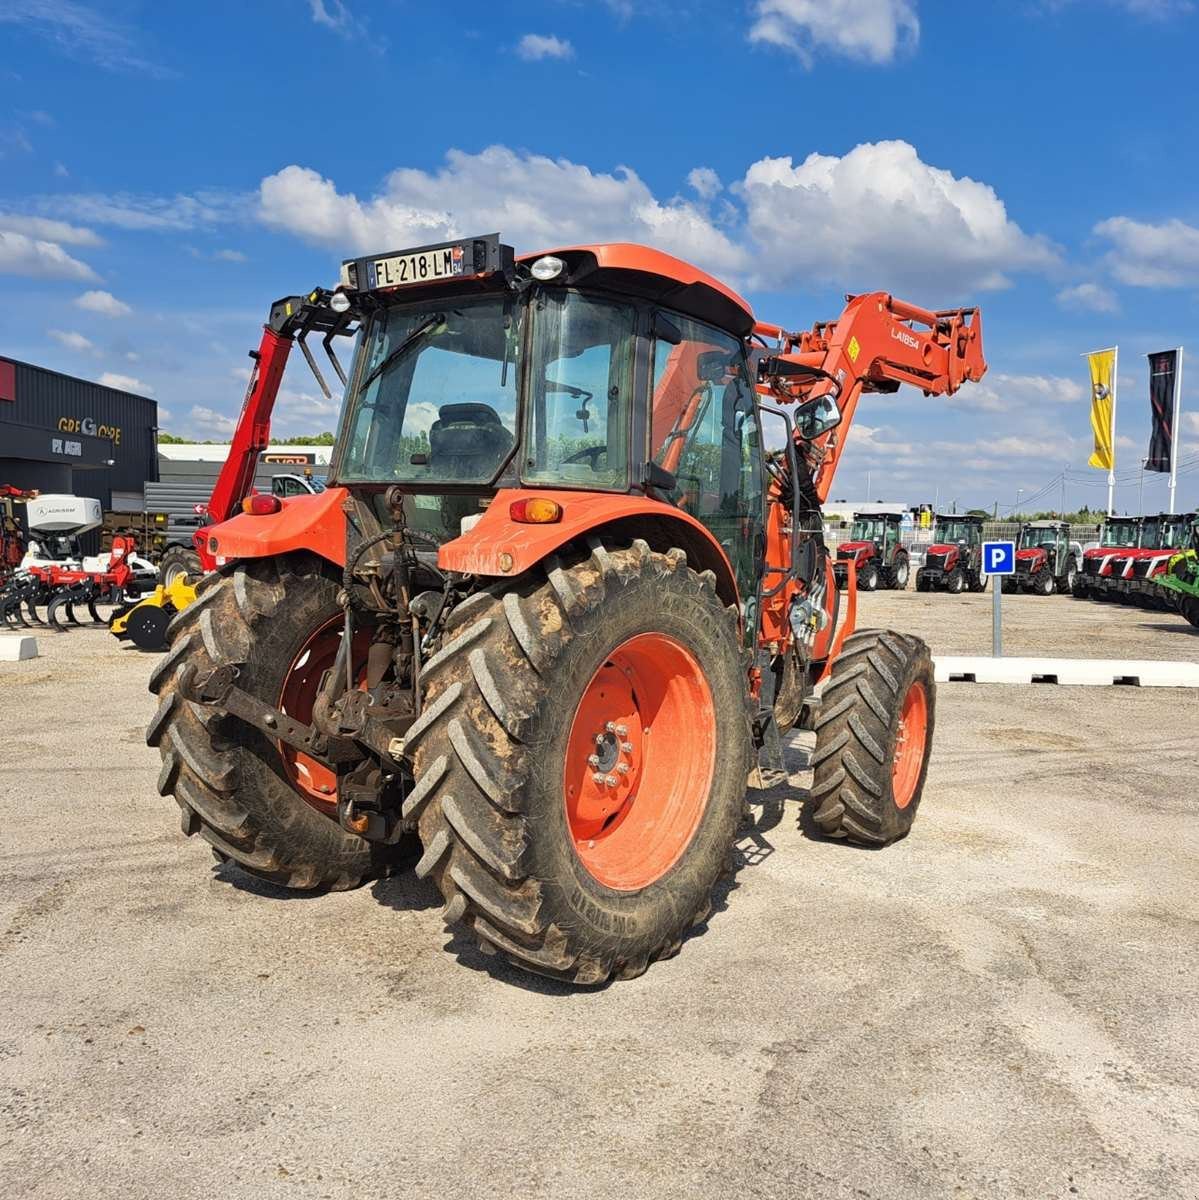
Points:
point(1103, 384)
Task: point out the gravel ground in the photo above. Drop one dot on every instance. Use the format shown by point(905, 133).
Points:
point(1001, 1005)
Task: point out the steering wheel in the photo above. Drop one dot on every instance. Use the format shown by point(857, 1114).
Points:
point(591, 453)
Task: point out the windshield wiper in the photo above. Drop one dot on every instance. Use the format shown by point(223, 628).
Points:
point(436, 321)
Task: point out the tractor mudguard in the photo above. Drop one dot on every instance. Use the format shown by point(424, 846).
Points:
point(499, 547)
point(314, 523)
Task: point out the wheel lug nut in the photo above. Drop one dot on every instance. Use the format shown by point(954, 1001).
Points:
point(621, 731)
point(611, 781)
point(622, 768)
point(627, 747)
point(599, 778)
point(593, 760)
point(599, 739)
point(611, 727)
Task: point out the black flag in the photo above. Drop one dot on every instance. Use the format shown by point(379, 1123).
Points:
point(1161, 403)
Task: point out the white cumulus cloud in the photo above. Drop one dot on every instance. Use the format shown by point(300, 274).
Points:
point(208, 421)
point(126, 383)
point(1152, 255)
point(49, 230)
point(873, 31)
point(1093, 297)
point(877, 217)
point(104, 303)
point(24, 255)
point(535, 46)
point(71, 340)
point(536, 201)
point(880, 217)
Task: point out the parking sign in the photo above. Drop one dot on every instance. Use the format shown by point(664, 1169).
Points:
point(999, 558)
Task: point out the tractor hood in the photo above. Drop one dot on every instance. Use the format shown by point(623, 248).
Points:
point(854, 549)
point(1033, 556)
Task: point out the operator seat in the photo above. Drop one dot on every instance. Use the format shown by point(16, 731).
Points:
point(467, 441)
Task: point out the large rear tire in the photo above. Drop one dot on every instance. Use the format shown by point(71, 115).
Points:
point(1189, 607)
point(565, 875)
point(873, 737)
point(237, 789)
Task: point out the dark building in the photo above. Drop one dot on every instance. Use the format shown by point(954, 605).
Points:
point(62, 434)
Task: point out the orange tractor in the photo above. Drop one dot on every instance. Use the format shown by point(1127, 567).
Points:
point(556, 602)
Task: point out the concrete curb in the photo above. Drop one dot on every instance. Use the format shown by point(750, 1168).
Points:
point(16, 647)
point(1088, 672)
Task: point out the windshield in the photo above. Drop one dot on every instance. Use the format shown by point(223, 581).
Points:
point(437, 397)
point(954, 532)
point(868, 530)
point(1120, 533)
point(437, 389)
point(1151, 534)
point(1032, 538)
point(580, 391)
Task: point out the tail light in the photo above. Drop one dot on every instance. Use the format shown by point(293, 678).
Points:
point(259, 505)
point(535, 510)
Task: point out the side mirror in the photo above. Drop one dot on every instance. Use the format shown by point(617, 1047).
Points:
point(817, 416)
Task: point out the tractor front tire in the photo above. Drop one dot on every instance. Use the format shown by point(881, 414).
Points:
point(955, 584)
point(178, 561)
point(873, 737)
point(1043, 582)
point(898, 581)
point(228, 779)
point(1189, 607)
point(978, 583)
point(868, 578)
point(581, 761)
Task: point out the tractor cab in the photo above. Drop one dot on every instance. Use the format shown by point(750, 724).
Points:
point(953, 561)
point(876, 551)
point(1046, 559)
point(1117, 536)
point(604, 370)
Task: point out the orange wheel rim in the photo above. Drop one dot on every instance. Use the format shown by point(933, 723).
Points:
point(910, 741)
point(639, 762)
point(314, 781)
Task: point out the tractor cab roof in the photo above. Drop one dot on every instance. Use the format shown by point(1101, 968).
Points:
point(635, 270)
point(881, 514)
point(971, 517)
point(1046, 525)
point(485, 262)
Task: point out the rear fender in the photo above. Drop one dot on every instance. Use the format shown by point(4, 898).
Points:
point(316, 523)
point(501, 548)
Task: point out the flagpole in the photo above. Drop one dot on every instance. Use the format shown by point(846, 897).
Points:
point(1174, 430)
point(1111, 474)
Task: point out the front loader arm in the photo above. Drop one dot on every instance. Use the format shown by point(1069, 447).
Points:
point(291, 320)
point(876, 344)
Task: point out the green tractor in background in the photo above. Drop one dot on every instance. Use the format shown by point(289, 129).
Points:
point(1181, 578)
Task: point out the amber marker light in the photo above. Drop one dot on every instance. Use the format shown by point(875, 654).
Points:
point(259, 505)
point(535, 510)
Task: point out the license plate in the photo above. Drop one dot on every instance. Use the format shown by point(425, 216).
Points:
point(425, 266)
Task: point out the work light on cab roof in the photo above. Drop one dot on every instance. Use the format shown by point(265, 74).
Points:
point(557, 599)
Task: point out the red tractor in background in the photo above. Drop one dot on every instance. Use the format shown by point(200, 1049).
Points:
point(1163, 536)
point(555, 601)
point(874, 549)
point(1046, 559)
point(1094, 578)
point(954, 561)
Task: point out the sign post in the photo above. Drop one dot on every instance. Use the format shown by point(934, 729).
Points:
point(999, 561)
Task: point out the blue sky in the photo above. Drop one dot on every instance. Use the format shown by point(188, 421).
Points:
point(166, 170)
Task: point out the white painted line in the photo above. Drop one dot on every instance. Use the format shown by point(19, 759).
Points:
point(1091, 672)
point(16, 647)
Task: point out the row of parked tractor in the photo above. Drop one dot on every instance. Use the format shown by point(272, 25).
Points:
point(1150, 561)
point(1047, 559)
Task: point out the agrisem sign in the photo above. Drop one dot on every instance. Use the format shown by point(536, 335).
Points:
point(89, 426)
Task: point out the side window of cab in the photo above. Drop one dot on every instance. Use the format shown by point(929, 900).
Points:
point(704, 431)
